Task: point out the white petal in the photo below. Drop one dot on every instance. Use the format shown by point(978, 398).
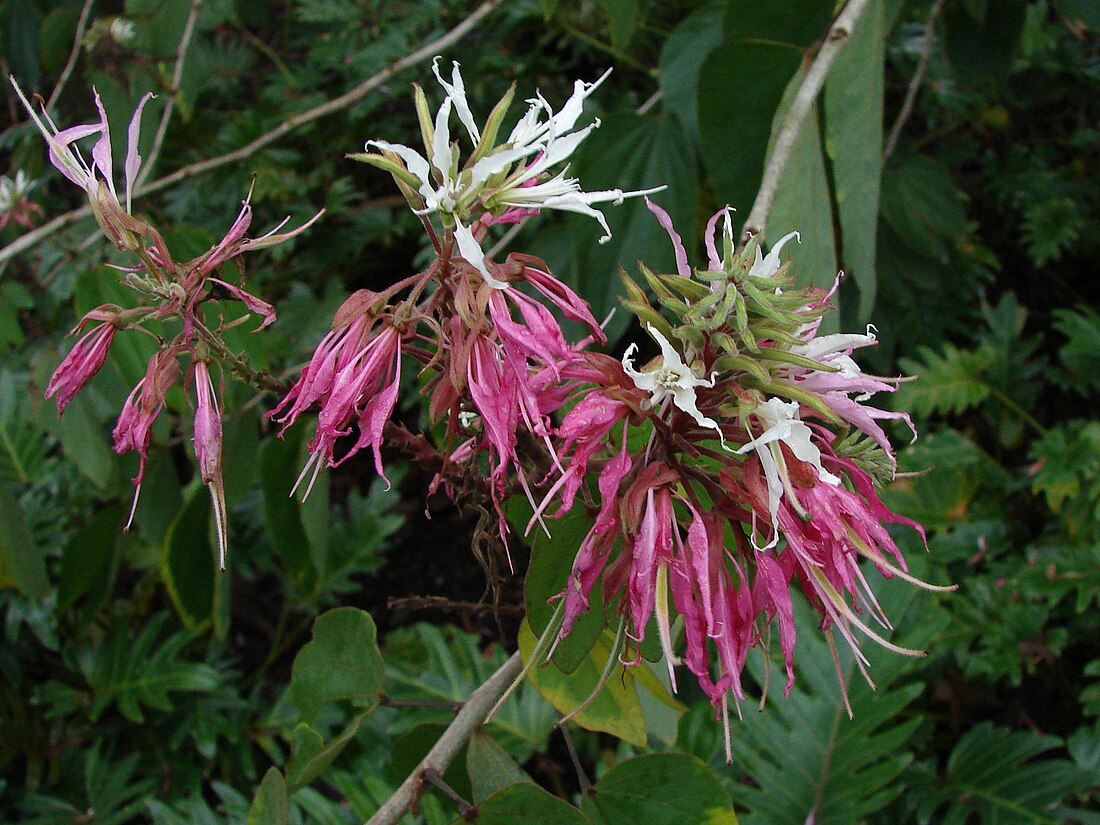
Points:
point(769, 265)
point(469, 249)
point(456, 91)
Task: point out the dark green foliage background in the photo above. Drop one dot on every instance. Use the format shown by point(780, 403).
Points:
point(136, 685)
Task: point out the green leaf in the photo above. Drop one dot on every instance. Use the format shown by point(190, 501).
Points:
point(1081, 353)
point(803, 203)
point(996, 775)
point(659, 789)
point(271, 805)
point(526, 803)
point(21, 21)
point(548, 574)
point(310, 755)
point(740, 89)
point(630, 152)
point(981, 49)
point(187, 560)
point(949, 384)
point(615, 710)
point(445, 664)
point(81, 435)
point(143, 670)
point(342, 661)
point(279, 466)
point(88, 562)
point(803, 757)
point(22, 564)
point(623, 18)
point(490, 767)
point(793, 22)
point(681, 60)
point(853, 102)
point(922, 205)
point(409, 750)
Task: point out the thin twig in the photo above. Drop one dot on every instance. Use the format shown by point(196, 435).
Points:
point(582, 777)
point(173, 94)
point(789, 129)
point(915, 83)
point(469, 719)
point(432, 777)
point(81, 26)
point(344, 101)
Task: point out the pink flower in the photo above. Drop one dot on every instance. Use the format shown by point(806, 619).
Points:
point(135, 423)
point(85, 358)
point(354, 376)
point(208, 451)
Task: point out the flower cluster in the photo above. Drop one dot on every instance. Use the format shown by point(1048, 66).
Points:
point(171, 292)
point(741, 460)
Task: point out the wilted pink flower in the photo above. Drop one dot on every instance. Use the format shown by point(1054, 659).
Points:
point(135, 423)
point(97, 179)
point(208, 451)
point(86, 357)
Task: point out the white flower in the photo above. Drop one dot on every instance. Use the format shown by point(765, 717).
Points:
point(505, 178)
point(672, 380)
point(122, 30)
point(765, 266)
point(782, 424)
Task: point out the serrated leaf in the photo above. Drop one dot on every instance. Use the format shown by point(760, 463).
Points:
point(341, 662)
point(996, 774)
point(804, 756)
point(948, 383)
point(659, 789)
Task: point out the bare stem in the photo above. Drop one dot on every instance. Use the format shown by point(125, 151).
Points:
point(173, 94)
point(70, 64)
point(789, 129)
point(469, 719)
point(915, 83)
point(351, 97)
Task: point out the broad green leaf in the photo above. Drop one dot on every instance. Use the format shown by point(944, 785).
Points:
point(981, 48)
point(797, 23)
point(803, 203)
point(740, 88)
point(187, 560)
point(310, 755)
point(527, 803)
point(490, 767)
point(548, 575)
point(852, 101)
point(615, 709)
point(22, 564)
point(88, 562)
point(80, 433)
point(342, 661)
point(681, 60)
point(409, 749)
point(282, 513)
point(631, 152)
point(622, 15)
point(659, 789)
point(271, 805)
